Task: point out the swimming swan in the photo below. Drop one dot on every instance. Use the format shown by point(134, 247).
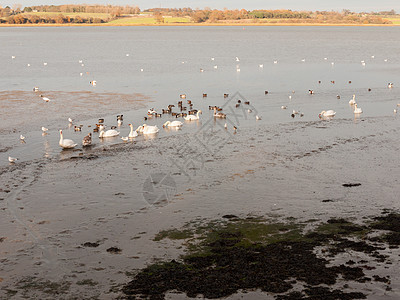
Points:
point(173, 124)
point(150, 129)
point(133, 133)
point(66, 143)
point(353, 101)
point(108, 133)
point(328, 113)
point(193, 117)
point(357, 110)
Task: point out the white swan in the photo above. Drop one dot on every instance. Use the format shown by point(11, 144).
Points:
point(173, 124)
point(108, 133)
point(357, 110)
point(150, 129)
point(193, 117)
point(328, 113)
point(139, 129)
point(66, 143)
point(133, 133)
point(353, 101)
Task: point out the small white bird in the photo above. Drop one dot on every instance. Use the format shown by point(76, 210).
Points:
point(13, 57)
point(28, 65)
point(141, 70)
point(127, 54)
point(226, 126)
point(332, 63)
point(35, 89)
point(21, 137)
point(215, 67)
point(93, 82)
point(275, 61)
point(212, 58)
point(237, 70)
point(44, 129)
point(70, 120)
point(45, 64)
point(284, 107)
point(261, 66)
point(258, 117)
point(80, 74)
point(325, 58)
point(237, 58)
point(80, 61)
point(303, 60)
point(45, 98)
point(12, 159)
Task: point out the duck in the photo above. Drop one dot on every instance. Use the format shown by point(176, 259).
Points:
point(87, 140)
point(133, 133)
point(101, 121)
point(77, 128)
point(45, 98)
point(204, 95)
point(93, 82)
point(108, 133)
point(151, 111)
point(357, 110)
point(353, 101)
point(12, 159)
point(35, 89)
point(390, 85)
point(328, 113)
point(219, 114)
point(150, 129)
point(193, 117)
point(66, 143)
point(173, 124)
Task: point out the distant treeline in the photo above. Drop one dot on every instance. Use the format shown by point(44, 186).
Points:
point(105, 13)
point(287, 16)
point(32, 14)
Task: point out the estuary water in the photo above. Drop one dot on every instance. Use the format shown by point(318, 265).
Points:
point(120, 194)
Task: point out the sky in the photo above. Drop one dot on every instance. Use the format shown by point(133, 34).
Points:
point(337, 5)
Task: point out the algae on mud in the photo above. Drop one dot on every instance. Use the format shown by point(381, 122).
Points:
point(225, 257)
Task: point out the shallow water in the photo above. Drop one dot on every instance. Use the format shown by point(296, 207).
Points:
point(52, 200)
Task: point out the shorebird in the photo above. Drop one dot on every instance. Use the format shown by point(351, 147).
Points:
point(12, 159)
point(45, 98)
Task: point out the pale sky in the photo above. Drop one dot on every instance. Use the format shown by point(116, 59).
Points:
point(337, 5)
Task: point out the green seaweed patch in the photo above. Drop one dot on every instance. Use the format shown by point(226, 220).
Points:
point(174, 234)
point(45, 286)
point(339, 227)
point(389, 222)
